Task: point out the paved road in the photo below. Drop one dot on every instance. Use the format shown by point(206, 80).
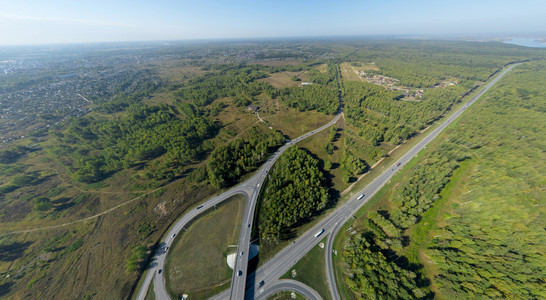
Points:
point(330, 241)
point(288, 285)
point(250, 189)
point(286, 258)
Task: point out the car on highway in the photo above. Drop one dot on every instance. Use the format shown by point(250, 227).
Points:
point(398, 164)
point(200, 206)
point(159, 272)
point(239, 273)
point(174, 235)
point(360, 197)
point(261, 283)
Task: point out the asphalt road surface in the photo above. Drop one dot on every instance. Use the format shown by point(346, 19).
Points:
point(286, 258)
point(251, 189)
point(281, 263)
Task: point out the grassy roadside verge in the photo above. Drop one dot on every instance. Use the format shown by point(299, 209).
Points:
point(196, 264)
point(309, 270)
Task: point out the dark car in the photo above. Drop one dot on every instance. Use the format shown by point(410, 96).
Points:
point(398, 164)
point(159, 272)
point(262, 283)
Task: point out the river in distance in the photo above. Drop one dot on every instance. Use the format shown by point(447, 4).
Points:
point(527, 43)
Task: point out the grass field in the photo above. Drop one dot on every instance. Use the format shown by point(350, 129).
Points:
point(196, 264)
point(294, 123)
point(315, 144)
point(310, 271)
point(283, 79)
point(285, 296)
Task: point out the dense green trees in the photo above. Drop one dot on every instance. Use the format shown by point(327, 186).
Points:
point(228, 163)
point(295, 190)
point(98, 148)
point(491, 245)
point(311, 97)
point(134, 263)
point(233, 81)
point(379, 274)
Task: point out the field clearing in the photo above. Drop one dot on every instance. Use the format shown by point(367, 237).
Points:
point(163, 97)
point(196, 264)
point(276, 63)
point(178, 70)
point(294, 123)
point(316, 143)
point(348, 72)
point(282, 79)
point(323, 68)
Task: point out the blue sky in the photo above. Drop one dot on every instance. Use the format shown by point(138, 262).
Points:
point(77, 21)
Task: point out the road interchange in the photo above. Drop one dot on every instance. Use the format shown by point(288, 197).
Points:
point(273, 269)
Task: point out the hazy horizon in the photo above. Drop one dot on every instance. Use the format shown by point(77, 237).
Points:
point(69, 22)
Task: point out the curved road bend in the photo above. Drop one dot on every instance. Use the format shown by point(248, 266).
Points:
point(289, 285)
point(286, 258)
point(250, 189)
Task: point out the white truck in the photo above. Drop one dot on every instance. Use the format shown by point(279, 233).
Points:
point(360, 197)
point(319, 233)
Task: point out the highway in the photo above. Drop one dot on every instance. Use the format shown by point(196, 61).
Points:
point(273, 269)
point(286, 258)
point(406, 158)
point(251, 190)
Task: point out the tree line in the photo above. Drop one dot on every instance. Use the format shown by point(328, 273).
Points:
point(229, 162)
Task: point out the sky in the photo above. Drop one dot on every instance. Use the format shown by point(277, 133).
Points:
point(78, 21)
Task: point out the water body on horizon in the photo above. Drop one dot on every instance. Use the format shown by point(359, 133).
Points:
point(526, 43)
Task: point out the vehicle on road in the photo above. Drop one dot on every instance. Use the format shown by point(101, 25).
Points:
point(319, 233)
point(174, 235)
point(360, 197)
point(239, 273)
point(159, 272)
point(398, 164)
point(261, 283)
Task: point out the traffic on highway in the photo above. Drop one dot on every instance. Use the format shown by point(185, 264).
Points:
point(250, 286)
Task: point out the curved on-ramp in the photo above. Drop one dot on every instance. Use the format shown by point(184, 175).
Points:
point(250, 189)
point(288, 285)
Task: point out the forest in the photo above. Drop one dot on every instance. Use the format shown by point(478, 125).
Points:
point(372, 255)
point(97, 148)
point(229, 162)
point(296, 190)
point(311, 97)
point(477, 246)
point(490, 245)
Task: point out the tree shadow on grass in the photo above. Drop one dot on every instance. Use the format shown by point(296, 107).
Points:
point(13, 251)
point(5, 288)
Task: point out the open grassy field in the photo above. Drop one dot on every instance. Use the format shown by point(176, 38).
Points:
point(196, 264)
point(315, 145)
point(294, 123)
point(283, 79)
point(310, 271)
